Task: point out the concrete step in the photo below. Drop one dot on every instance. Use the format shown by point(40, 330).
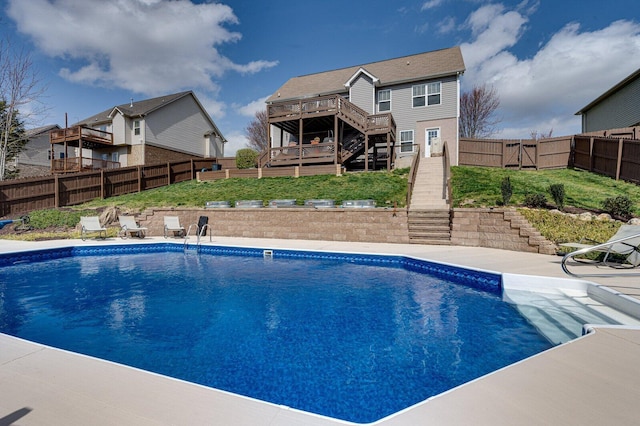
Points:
point(429, 241)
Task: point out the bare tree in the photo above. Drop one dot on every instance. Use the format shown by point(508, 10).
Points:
point(537, 135)
point(477, 112)
point(19, 88)
point(257, 131)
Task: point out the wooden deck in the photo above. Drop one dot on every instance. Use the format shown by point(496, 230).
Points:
point(82, 137)
point(351, 135)
point(73, 136)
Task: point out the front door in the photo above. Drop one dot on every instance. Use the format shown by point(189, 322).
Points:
point(429, 135)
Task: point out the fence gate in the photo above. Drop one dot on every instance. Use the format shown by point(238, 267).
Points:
point(511, 154)
point(528, 155)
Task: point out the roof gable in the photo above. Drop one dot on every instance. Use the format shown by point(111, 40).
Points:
point(146, 107)
point(630, 79)
point(357, 74)
point(434, 64)
point(133, 108)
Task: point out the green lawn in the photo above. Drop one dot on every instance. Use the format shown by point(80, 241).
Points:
point(472, 187)
point(480, 186)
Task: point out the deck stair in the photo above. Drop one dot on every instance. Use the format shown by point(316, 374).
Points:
point(429, 213)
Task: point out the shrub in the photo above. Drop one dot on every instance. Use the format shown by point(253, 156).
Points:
point(557, 192)
point(536, 201)
point(618, 206)
point(506, 189)
point(246, 158)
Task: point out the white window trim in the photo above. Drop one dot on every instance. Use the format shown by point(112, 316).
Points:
point(138, 128)
point(378, 100)
point(421, 96)
point(413, 141)
point(426, 94)
point(439, 93)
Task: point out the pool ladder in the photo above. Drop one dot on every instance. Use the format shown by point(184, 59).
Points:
point(199, 235)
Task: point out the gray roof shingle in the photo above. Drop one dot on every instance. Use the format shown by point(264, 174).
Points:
point(133, 109)
point(434, 64)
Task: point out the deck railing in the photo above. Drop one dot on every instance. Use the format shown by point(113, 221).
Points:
point(76, 164)
point(81, 133)
point(333, 104)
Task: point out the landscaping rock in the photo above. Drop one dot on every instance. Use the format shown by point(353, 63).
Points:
point(604, 217)
point(587, 217)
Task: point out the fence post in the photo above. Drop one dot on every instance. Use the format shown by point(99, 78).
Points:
point(519, 154)
point(168, 173)
point(102, 184)
point(139, 178)
point(591, 154)
point(56, 192)
point(619, 159)
point(192, 170)
point(504, 147)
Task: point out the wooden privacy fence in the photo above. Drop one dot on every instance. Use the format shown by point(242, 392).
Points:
point(613, 157)
point(516, 153)
point(23, 195)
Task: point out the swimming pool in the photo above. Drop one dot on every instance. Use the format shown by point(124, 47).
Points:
point(297, 331)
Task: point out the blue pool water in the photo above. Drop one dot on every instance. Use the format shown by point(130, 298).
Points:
point(355, 338)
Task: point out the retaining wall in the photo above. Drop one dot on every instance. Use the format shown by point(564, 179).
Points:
point(494, 228)
point(358, 225)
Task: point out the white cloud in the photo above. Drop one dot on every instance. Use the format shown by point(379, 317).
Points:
point(431, 4)
point(251, 108)
point(146, 46)
point(235, 141)
point(544, 91)
point(447, 25)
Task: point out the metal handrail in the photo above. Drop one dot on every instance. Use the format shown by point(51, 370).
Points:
point(602, 248)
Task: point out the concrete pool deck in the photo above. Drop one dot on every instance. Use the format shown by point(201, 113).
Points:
point(591, 380)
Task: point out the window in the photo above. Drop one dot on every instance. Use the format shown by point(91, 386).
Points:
point(433, 93)
point(136, 127)
point(49, 154)
point(61, 155)
point(419, 95)
point(426, 94)
point(406, 141)
point(384, 100)
point(115, 157)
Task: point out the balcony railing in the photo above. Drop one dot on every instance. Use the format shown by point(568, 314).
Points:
point(78, 133)
point(334, 104)
point(76, 164)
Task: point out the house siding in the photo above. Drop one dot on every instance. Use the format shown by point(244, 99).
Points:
point(36, 152)
point(620, 109)
point(362, 93)
point(179, 126)
point(448, 133)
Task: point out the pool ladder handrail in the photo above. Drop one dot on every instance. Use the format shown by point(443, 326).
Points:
point(605, 248)
point(198, 235)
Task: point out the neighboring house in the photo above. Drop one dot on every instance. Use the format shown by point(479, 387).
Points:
point(384, 109)
point(35, 158)
point(167, 128)
point(618, 107)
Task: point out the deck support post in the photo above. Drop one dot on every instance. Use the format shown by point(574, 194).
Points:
point(366, 152)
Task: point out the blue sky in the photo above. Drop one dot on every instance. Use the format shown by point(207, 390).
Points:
point(546, 59)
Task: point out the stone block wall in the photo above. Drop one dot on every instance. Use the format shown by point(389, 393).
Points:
point(358, 225)
point(497, 228)
point(494, 228)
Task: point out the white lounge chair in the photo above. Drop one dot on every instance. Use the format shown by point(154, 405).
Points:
point(172, 224)
point(92, 224)
point(622, 250)
point(128, 225)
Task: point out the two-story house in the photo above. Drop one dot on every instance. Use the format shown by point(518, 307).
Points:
point(368, 116)
point(617, 108)
point(35, 157)
point(166, 128)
